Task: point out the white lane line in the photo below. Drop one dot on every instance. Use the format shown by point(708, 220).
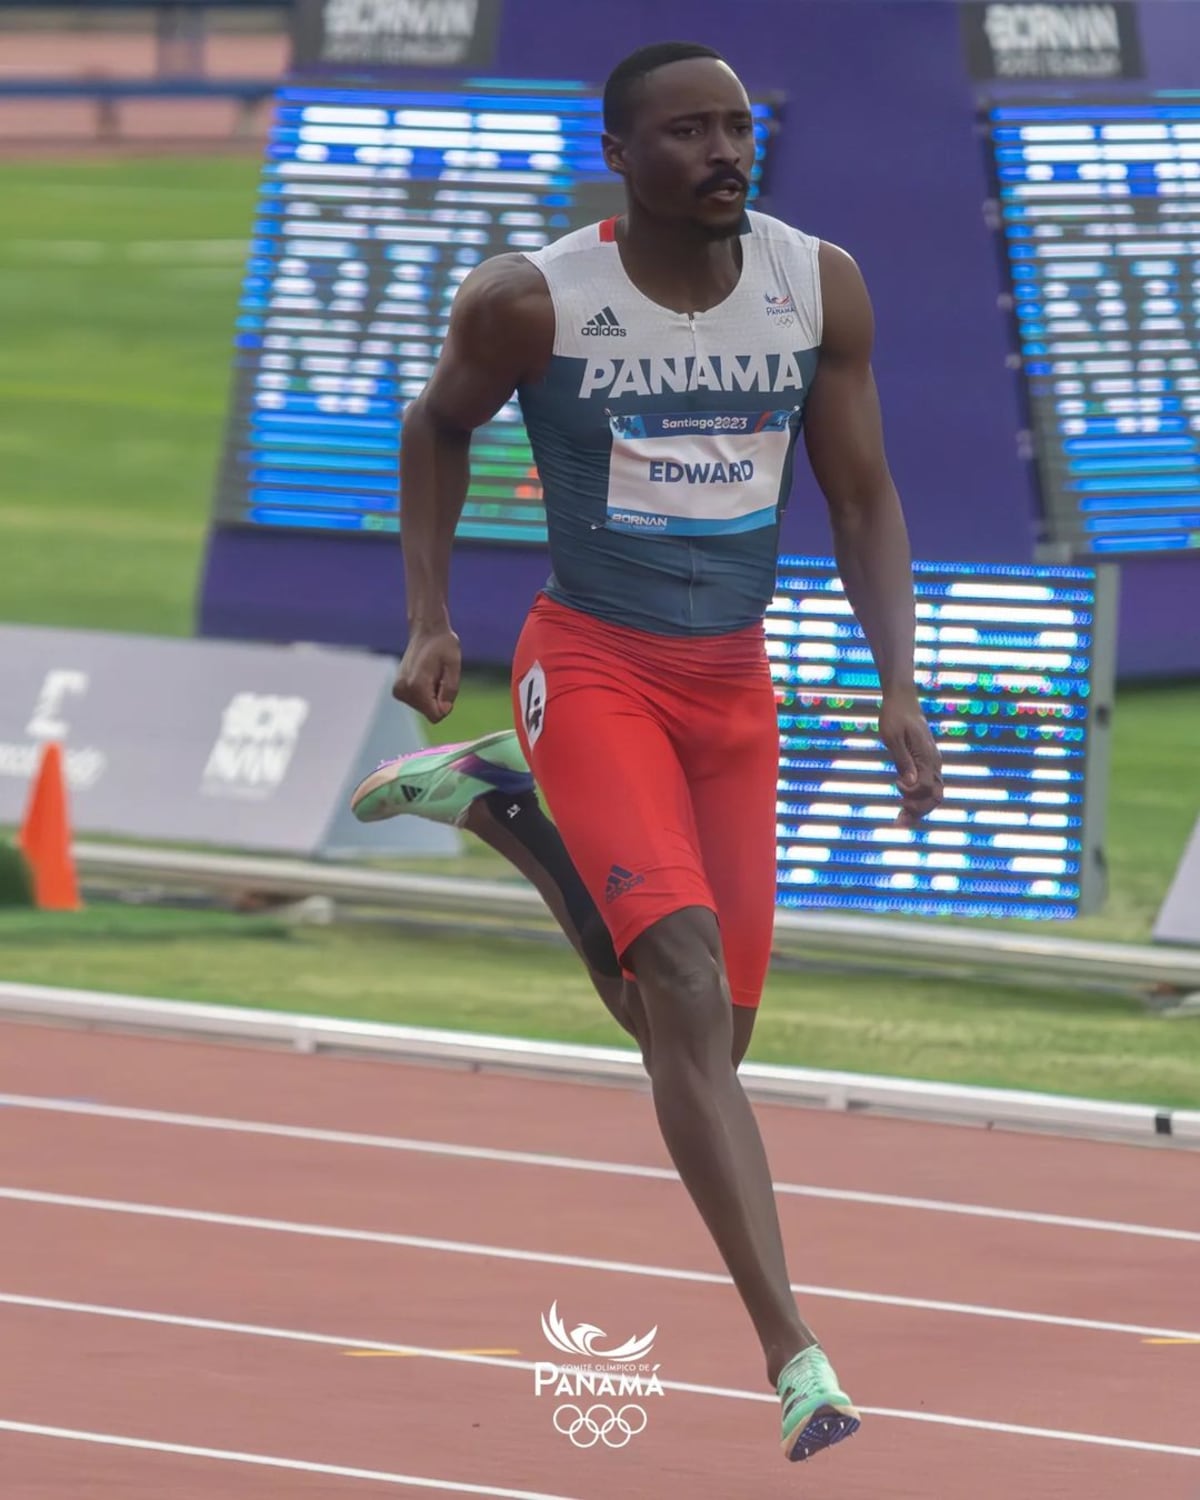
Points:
point(263, 1461)
point(1013, 1429)
point(257, 1330)
point(576, 1262)
point(574, 1164)
point(726, 1393)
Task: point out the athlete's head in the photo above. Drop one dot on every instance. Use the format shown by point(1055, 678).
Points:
point(677, 127)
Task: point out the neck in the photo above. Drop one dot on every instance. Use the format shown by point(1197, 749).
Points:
point(677, 264)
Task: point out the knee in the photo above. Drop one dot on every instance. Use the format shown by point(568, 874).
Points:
point(685, 994)
point(691, 985)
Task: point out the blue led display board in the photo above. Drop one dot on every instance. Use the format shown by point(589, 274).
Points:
point(374, 204)
point(1015, 671)
point(1099, 213)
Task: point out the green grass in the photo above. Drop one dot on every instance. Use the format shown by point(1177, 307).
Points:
point(1152, 800)
point(118, 291)
point(1003, 1037)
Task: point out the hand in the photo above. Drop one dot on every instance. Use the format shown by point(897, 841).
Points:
point(903, 729)
point(428, 676)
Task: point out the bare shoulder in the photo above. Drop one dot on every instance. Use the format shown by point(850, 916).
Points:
point(505, 278)
point(847, 316)
point(500, 335)
point(505, 297)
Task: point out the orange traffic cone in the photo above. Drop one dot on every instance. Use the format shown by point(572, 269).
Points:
point(46, 837)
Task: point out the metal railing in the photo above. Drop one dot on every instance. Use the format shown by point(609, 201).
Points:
point(1165, 978)
point(949, 1103)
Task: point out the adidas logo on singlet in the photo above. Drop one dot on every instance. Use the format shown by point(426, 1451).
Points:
point(604, 325)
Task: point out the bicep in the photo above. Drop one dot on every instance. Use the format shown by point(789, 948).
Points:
point(843, 432)
point(493, 336)
point(469, 384)
point(843, 424)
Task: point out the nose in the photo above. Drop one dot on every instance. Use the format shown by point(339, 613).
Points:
point(723, 149)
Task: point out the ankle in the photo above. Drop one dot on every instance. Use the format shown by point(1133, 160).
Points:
point(780, 1355)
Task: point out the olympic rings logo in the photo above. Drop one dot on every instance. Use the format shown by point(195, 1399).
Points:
point(600, 1424)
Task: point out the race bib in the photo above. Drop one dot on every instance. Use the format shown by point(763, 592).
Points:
point(697, 473)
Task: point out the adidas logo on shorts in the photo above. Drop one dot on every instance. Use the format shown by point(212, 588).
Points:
point(620, 882)
point(604, 325)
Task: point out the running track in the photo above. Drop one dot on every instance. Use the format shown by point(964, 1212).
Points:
point(192, 1302)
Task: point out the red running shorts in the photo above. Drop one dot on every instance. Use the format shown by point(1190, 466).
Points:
point(658, 760)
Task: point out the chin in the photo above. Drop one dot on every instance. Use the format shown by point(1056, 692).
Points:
point(726, 227)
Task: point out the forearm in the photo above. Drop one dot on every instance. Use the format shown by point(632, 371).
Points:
point(875, 565)
point(434, 478)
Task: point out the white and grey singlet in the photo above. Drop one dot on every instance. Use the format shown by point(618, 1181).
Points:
point(665, 440)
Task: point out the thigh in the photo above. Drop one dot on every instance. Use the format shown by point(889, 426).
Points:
point(610, 776)
point(734, 791)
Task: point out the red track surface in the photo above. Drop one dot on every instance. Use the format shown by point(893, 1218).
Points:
point(453, 1423)
point(31, 127)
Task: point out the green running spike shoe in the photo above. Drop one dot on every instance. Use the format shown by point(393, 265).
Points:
point(441, 783)
point(816, 1412)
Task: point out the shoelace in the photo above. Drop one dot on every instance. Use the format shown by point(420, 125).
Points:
point(395, 760)
point(797, 1377)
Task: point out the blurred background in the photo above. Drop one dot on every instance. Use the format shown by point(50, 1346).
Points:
point(229, 238)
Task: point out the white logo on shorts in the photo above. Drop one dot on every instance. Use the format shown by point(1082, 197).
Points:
point(531, 694)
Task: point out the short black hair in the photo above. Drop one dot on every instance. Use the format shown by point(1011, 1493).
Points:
point(624, 78)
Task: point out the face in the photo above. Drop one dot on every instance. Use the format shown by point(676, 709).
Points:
point(688, 150)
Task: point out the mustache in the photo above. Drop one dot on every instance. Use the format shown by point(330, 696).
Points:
point(722, 179)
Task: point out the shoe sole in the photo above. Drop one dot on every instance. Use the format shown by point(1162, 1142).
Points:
point(386, 776)
point(827, 1425)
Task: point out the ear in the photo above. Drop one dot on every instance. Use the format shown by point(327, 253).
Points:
point(614, 154)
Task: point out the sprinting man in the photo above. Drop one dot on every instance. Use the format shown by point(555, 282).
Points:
point(665, 362)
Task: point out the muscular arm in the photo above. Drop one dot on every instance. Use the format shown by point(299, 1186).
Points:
point(844, 438)
point(501, 332)
point(501, 329)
